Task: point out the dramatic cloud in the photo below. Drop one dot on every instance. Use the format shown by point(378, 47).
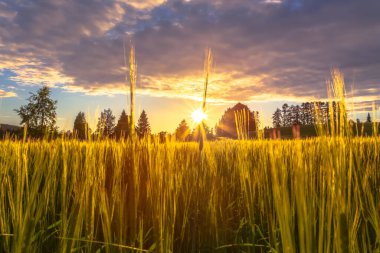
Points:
point(263, 49)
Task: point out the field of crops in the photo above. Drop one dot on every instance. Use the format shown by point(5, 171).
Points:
point(316, 195)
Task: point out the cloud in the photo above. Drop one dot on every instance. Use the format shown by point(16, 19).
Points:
point(148, 4)
point(263, 50)
point(7, 94)
point(273, 1)
point(6, 13)
point(31, 71)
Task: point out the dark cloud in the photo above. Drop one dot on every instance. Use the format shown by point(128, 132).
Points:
point(262, 49)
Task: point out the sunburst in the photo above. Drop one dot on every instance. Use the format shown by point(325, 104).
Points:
point(198, 116)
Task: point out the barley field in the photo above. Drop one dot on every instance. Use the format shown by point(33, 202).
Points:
point(314, 195)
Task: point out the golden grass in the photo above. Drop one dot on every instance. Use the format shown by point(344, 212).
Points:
point(132, 77)
point(316, 195)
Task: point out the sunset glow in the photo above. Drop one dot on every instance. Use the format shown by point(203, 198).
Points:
point(189, 126)
point(255, 61)
point(198, 116)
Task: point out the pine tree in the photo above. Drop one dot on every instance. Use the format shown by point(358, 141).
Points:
point(106, 124)
point(369, 119)
point(285, 115)
point(296, 115)
point(122, 128)
point(277, 118)
point(40, 113)
point(308, 113)
point(302, 114)
point(319, 114)
point(81, 130)
point(182, 132)
point(325, 112)
point(143, 126)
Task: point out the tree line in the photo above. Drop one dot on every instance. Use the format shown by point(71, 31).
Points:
point(39, 119)
point(39, 116)
point(106, 127)
point(309, 113)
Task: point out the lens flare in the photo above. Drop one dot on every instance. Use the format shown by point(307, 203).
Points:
point(199, 115)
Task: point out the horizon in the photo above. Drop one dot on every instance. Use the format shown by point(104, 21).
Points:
point(266, 53)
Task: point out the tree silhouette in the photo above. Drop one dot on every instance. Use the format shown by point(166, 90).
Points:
point(143, 126)
point(40, 113)
point(277, 118)
point(209, 132)
point(122, 128)
point(163, 136)
point(227, 124)
point(369, 119)
point(310, 113)
point(81, 130)
point(285, 115)
point(296, 114)
point(182, 132)
point(106, 124)
point(196, 134)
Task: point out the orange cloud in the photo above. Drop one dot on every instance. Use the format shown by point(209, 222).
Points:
point(262, 53)
point(147, 4)
point(7, 94)
point(29, 70)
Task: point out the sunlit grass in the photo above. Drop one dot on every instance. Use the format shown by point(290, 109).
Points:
point(316, 195)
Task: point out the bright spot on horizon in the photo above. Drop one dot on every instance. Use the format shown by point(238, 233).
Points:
point(199, 115)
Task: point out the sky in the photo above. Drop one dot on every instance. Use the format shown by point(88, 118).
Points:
point(266, 53)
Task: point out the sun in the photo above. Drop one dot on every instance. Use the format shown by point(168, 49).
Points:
point(199, 115)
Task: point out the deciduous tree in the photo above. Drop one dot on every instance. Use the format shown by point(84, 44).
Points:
point(106, 123)
point(227, 124)
point(182, 132)
point(40, 112)
point(81, 130)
